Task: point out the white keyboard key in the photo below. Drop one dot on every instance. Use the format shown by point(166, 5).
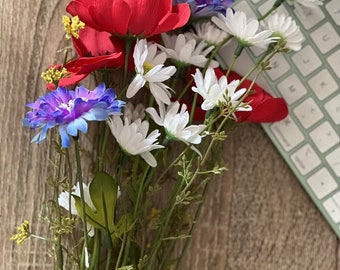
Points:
point(333, 159)
point(323, 84)
point(322, 183)
point(333, 109)
point(333, 9)
point(244, 7)
point(334, 62)
point(306, 60)
point(324, 137)
point(305, 159)
point(292, 89)
point(279, 66)
point(287, 133)
point(332, 209)
point(326, 38)
point(312, 17)
point(308, 113)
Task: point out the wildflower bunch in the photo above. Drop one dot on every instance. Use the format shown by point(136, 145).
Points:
point(163, 104)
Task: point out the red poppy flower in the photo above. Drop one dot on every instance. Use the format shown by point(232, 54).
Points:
point(95, 50)
point(266, 109)
point(142, 18)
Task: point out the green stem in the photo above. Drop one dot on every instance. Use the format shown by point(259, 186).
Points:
point(103, 148)
point(274, 7)
point(81, 188)
point(193, 227)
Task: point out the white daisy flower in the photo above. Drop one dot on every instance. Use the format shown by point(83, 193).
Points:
point(302, 6)
point(185, 51)
point(134, 112)
point(149, 66)
point(244, 30)
point(175, 123)
point(133, 139)
point(67, 201)
point(208, 32)
point(307, 3)
point(216, 92)
point(286, 29)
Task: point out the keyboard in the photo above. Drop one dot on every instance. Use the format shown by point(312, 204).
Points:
point(309, 80)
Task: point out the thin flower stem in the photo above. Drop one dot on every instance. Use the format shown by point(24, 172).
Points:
point(193, 108)
point(128, 44)
point(103, 148)
point(274, 7)
point(58, 245)
point(237, 53)
point(193, 227)
point(81, 188)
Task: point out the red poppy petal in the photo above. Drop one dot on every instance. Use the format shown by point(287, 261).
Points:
point(271, 110)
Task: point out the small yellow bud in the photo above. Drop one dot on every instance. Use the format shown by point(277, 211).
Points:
point(53, 74)
point(72, 26)
point(23, 233)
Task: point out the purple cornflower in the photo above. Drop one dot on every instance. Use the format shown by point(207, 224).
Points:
point(70, 109)
point(206, 8)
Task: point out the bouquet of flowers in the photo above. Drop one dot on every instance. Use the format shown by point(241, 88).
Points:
point(135, 154)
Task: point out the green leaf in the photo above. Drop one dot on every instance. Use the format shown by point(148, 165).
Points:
point(103, 192)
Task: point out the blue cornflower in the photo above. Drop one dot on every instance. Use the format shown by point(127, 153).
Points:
point(70, 109)
point(206, 8)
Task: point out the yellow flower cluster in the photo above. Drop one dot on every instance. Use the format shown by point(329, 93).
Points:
point(53, 74)
point(72, 26)
point(23, 233)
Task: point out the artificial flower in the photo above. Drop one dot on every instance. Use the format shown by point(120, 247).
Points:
point(132, 112)
point(150, 71)
point(175, 119)
point(206, 8)
point(285, 28)
point(143, 18)
point(218, 92)
point(67, 201)
point(95, 50)
point(243, 29)
point(265, 108)
point(185, 51)
point(133, 138)
point(303, 6)
point(70, 110)
point(53, 74)
point(208, 32)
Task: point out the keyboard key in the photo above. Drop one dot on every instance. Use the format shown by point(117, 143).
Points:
point(292, 89)
point(305, 159)
point(333, 159)
point(324, 137)
point(334, 62)
point(279, 66)
point(306, 60)
point(323, 84)
point(312, 17)
point(333, 109)
point(244, 7)
point(334, 10)
point(332, 209)
point(322, 183)
point(308, 113)
point(325, 37)
point(287, 133)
